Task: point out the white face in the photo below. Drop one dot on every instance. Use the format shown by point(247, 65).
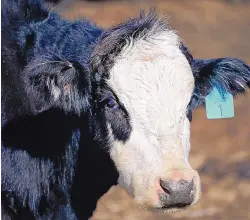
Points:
point(154, 81)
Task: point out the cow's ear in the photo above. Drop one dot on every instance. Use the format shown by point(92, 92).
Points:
point(228, 74)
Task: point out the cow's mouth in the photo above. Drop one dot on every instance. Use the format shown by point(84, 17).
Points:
point(170, 208)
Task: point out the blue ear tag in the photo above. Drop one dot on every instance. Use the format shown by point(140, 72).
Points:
point(219, 104)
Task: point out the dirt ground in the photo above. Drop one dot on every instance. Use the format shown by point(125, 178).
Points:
point(220, 148)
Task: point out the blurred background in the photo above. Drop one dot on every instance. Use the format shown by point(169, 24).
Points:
point(220, 148)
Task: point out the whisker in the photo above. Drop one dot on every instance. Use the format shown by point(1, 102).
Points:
point(44, 63)
point(61, 58)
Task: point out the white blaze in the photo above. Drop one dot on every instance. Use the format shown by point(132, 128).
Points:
point(154, 81)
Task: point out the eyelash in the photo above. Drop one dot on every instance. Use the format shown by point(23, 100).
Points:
point(112, 104)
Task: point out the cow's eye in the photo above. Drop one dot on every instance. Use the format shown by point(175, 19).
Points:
point(111, 103)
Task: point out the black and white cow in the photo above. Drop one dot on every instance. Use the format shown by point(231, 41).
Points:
point(71, 90)
point(152, 84)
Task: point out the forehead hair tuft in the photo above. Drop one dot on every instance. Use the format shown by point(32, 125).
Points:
point(114, 39)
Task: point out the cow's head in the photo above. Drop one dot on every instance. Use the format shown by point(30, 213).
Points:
point(148, 86)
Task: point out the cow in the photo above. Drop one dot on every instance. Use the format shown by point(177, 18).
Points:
point(73, 92)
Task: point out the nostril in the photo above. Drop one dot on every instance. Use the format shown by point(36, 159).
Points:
point(165, 186)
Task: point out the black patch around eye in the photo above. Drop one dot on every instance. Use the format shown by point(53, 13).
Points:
point(112, 113)
point(117, 116)
point(120, 124)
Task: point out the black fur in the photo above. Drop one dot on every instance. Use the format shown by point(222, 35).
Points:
point(45, 88)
